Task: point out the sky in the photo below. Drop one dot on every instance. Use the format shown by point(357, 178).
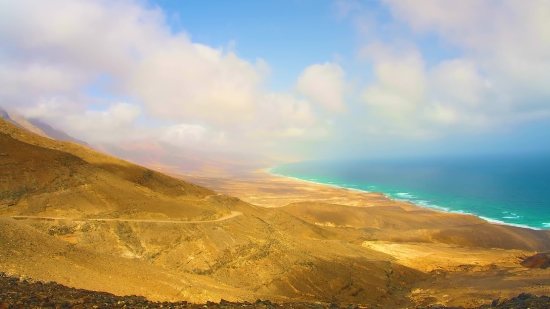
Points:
point(295, 79)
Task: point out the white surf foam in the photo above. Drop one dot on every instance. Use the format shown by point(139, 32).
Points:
point(405, 195)
point(510, 224)
point(422, 203)
point(318, 183)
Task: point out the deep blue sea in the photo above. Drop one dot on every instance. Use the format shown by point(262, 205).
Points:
point(514, 190)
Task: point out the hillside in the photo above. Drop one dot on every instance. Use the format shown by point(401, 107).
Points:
point(73, 185)
point(38, 127)
point(88, 220)
point(54, 133)
point(41, 176)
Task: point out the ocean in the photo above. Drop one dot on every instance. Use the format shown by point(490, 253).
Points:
point(513, 190)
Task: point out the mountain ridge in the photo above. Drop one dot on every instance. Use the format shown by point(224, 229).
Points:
point(155, 154)
point(56, 167)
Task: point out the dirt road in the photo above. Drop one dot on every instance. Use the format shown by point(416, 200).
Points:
point(232, 215)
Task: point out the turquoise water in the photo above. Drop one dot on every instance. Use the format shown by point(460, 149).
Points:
point(514, 190)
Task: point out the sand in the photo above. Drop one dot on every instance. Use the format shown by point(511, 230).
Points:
point(468, 259)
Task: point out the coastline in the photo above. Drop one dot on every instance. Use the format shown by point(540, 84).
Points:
point(436, 208)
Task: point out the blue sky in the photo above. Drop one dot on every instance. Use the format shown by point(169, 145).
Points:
point(289, 35)
point(297, 79)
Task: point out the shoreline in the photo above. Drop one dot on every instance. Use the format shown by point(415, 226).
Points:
point(433, 208)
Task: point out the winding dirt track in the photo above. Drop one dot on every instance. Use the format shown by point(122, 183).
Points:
point(232, 215)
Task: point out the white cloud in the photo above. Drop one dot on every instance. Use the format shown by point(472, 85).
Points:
point(174, 78)
point(458, 80)
point(184, 132)
point(23, 81)
point(441, 114)
point(282, 124)
point(400, 86)
point(325, 85)
point(499, 77)
point(197, 83)
point(447, 16)
point(191, 136)
point(74, 61)
point(283, 115)
point(344, 7)
point(53, 51)
point(112, 125)
point(508, 40)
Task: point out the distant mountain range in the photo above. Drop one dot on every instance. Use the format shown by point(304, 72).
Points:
point(61, 174)
point(4, 115)
point(178, 160)
point(38, 127)
point(153, 154)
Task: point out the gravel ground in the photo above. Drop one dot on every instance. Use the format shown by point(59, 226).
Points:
point(21, 293)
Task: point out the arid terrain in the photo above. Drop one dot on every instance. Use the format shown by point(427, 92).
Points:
point(87, 220)
point(16, 293)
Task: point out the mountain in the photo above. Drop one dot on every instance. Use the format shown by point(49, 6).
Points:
point(157, 155)
point(41, 175)
point(85, 219)
point(176, 160)
point(62, 193)
point(4, 115)
point(54, 133)
point(38, 127)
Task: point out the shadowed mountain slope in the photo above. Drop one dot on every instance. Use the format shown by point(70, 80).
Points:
point(6, 117)
point(43, 176)
point(54, 133)
point(38, 127)
point(123, 169)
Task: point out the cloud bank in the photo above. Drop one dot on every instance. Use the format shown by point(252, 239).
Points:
point(496, 79)
point(111, 71)
point(108, 71)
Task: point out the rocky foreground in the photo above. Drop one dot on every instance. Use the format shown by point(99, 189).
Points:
point(23, 293)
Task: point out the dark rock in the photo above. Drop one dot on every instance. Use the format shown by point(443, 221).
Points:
point(539, 260)
point(524, 296)
point(16, 293)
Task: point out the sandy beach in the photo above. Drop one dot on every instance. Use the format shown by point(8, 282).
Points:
point(267, 190)
point(468, 259)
